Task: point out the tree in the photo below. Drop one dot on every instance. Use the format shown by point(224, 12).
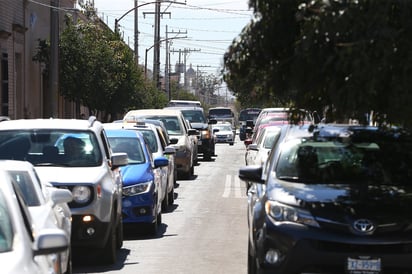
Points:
point(98, 70)
point(347, 56)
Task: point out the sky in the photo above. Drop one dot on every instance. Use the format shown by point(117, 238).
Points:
point(203, 28)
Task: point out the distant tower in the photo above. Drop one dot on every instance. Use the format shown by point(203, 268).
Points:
point(190, 75)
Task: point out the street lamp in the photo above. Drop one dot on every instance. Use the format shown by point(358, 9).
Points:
point(145, 55)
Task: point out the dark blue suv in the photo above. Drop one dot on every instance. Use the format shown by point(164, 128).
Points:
point(335, 199)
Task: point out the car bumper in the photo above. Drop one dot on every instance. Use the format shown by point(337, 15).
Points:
point(205, 146)
point(317, 251)
point(90, 234)
point(224, 139)
point(139, 208)
point(183, 161)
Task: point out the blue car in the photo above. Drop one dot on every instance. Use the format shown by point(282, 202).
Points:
point(141, 178)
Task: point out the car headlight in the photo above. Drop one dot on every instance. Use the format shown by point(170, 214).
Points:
point(81, 194)
point(282, 213)
point(205, 134)
point(137, 189)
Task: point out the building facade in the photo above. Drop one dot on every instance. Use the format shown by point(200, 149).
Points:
point(24, 91)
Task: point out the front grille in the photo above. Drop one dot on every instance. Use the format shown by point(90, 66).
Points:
point(402, 248)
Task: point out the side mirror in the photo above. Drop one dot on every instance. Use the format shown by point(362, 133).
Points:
point(119, 159)
point(169, 150)
point(60, 196)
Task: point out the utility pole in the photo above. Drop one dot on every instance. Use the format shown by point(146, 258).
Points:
point(167, 65)
point(51, 107)
point(136, 34)
point(206, 98)
point(156, 42)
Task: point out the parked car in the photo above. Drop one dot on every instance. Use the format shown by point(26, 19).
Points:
point(224, 133)
point(47, 205)
point(157, 138)
point(75, 155)
point(143, 192)
point(332, 200)
point(178, 130)
point(23, 248)
point(198, 120)
point(257, 152)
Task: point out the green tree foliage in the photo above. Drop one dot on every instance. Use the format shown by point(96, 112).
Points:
point(347, 56)
point(98, 70)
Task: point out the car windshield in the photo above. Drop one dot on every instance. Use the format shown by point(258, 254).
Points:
point(131, 146)
point(307, 160)
point(6, 231)
point(194, 116)
point(171, 122)
point(51, 147)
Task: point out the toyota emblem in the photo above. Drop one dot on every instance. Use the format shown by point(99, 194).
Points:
point(363, 226)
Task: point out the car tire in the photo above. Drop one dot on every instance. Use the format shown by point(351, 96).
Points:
point(171, 195)
point(207, 156)
point(119, 234)
point(251, 261)
point(109, 250)
point(154, 227)
point(165, 202)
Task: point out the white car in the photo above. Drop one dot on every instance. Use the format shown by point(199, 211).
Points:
point(257, 153)
point(24, 249)
point(74, 154)
point(179, 134)
point(47, 205)
point(224, 133)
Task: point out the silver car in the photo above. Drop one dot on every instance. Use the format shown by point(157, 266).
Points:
point(74, 154)
point(179, 133)
point(24, 248)
point(47, 205)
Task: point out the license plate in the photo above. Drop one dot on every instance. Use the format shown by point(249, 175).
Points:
point(365, 265)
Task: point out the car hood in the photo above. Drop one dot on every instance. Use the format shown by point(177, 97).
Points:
point(199, 126)
point(136, 173)
point(345, 202)
point(65, 175)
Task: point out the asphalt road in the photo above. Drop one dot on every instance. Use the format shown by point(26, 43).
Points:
point(204, 232)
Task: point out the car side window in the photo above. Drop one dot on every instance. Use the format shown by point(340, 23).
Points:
point(162, 138)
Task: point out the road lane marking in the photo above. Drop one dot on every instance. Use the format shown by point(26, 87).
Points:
point(226, 192)
point(236, 187)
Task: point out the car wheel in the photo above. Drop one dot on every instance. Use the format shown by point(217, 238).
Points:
point(109, 251)
point(119, 234)
point(171, 195)
point(251, 261)
point(207, 156)
point(165, 202)
point(154, 227)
